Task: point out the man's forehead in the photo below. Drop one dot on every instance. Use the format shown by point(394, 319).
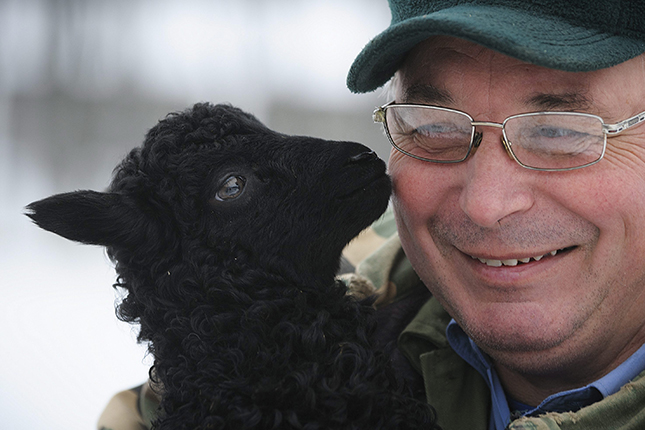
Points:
point(445, 70)
point(547, 101)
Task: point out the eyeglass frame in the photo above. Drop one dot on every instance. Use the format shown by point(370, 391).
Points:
point(379, 116)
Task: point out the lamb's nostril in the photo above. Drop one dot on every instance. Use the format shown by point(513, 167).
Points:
point(363, 156)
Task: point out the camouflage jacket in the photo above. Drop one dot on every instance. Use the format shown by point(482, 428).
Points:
point(409, 315)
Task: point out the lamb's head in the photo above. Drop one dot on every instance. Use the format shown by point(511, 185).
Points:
point(213, 186)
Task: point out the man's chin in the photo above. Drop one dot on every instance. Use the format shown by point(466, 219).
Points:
point(510, 344)
point(532, 351)
point(520, 333)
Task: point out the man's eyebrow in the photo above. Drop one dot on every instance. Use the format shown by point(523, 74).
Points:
point(427, 94)
point(562, 101)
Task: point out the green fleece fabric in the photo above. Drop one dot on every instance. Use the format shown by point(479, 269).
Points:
point(571, 35)
point(607, 15)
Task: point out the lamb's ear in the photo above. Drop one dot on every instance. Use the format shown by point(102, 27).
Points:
point(90, 217)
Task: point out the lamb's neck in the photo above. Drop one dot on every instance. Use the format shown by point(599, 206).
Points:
point(280, 289)
point(282, 279)
point(259, 324)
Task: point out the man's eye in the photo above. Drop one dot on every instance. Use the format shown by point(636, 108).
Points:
point(558, 140)
point(440, 130)
point(231, 188)
point(555, 133)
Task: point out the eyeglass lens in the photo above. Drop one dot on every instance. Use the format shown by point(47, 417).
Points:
point(541, 140)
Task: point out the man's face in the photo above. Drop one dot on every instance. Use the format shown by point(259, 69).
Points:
point(583, 306)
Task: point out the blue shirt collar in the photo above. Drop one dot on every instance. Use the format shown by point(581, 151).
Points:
point(570, 400)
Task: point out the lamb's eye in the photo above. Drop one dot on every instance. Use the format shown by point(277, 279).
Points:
point(231, 188)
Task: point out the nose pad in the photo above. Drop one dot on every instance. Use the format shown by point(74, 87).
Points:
point(507, 147)
point(477, 140)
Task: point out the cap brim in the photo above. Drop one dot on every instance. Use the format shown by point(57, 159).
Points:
point(547, 42)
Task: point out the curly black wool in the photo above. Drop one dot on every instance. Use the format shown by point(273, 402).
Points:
point(226, 238)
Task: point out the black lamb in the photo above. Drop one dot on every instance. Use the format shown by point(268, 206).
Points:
point(226, 237)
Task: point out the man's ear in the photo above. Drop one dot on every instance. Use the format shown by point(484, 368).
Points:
point(92, 217)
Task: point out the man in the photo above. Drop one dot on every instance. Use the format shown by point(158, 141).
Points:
point(526, 229)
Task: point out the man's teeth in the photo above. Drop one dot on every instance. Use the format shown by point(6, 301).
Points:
point(513, 261)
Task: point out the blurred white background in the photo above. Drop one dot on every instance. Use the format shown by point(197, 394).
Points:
point(80, 84)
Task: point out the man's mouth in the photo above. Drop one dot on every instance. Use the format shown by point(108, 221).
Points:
point(516, 261)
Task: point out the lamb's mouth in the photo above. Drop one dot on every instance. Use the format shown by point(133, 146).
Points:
point(371, 181)
point(516, 261)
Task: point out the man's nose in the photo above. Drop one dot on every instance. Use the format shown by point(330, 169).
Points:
point(494, 184)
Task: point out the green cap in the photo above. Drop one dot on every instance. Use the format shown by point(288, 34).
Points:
point(571, 35)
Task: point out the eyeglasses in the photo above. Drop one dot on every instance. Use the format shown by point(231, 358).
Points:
point(549, 141)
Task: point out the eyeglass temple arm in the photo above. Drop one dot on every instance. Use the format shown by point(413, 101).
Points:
point(624, 125)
